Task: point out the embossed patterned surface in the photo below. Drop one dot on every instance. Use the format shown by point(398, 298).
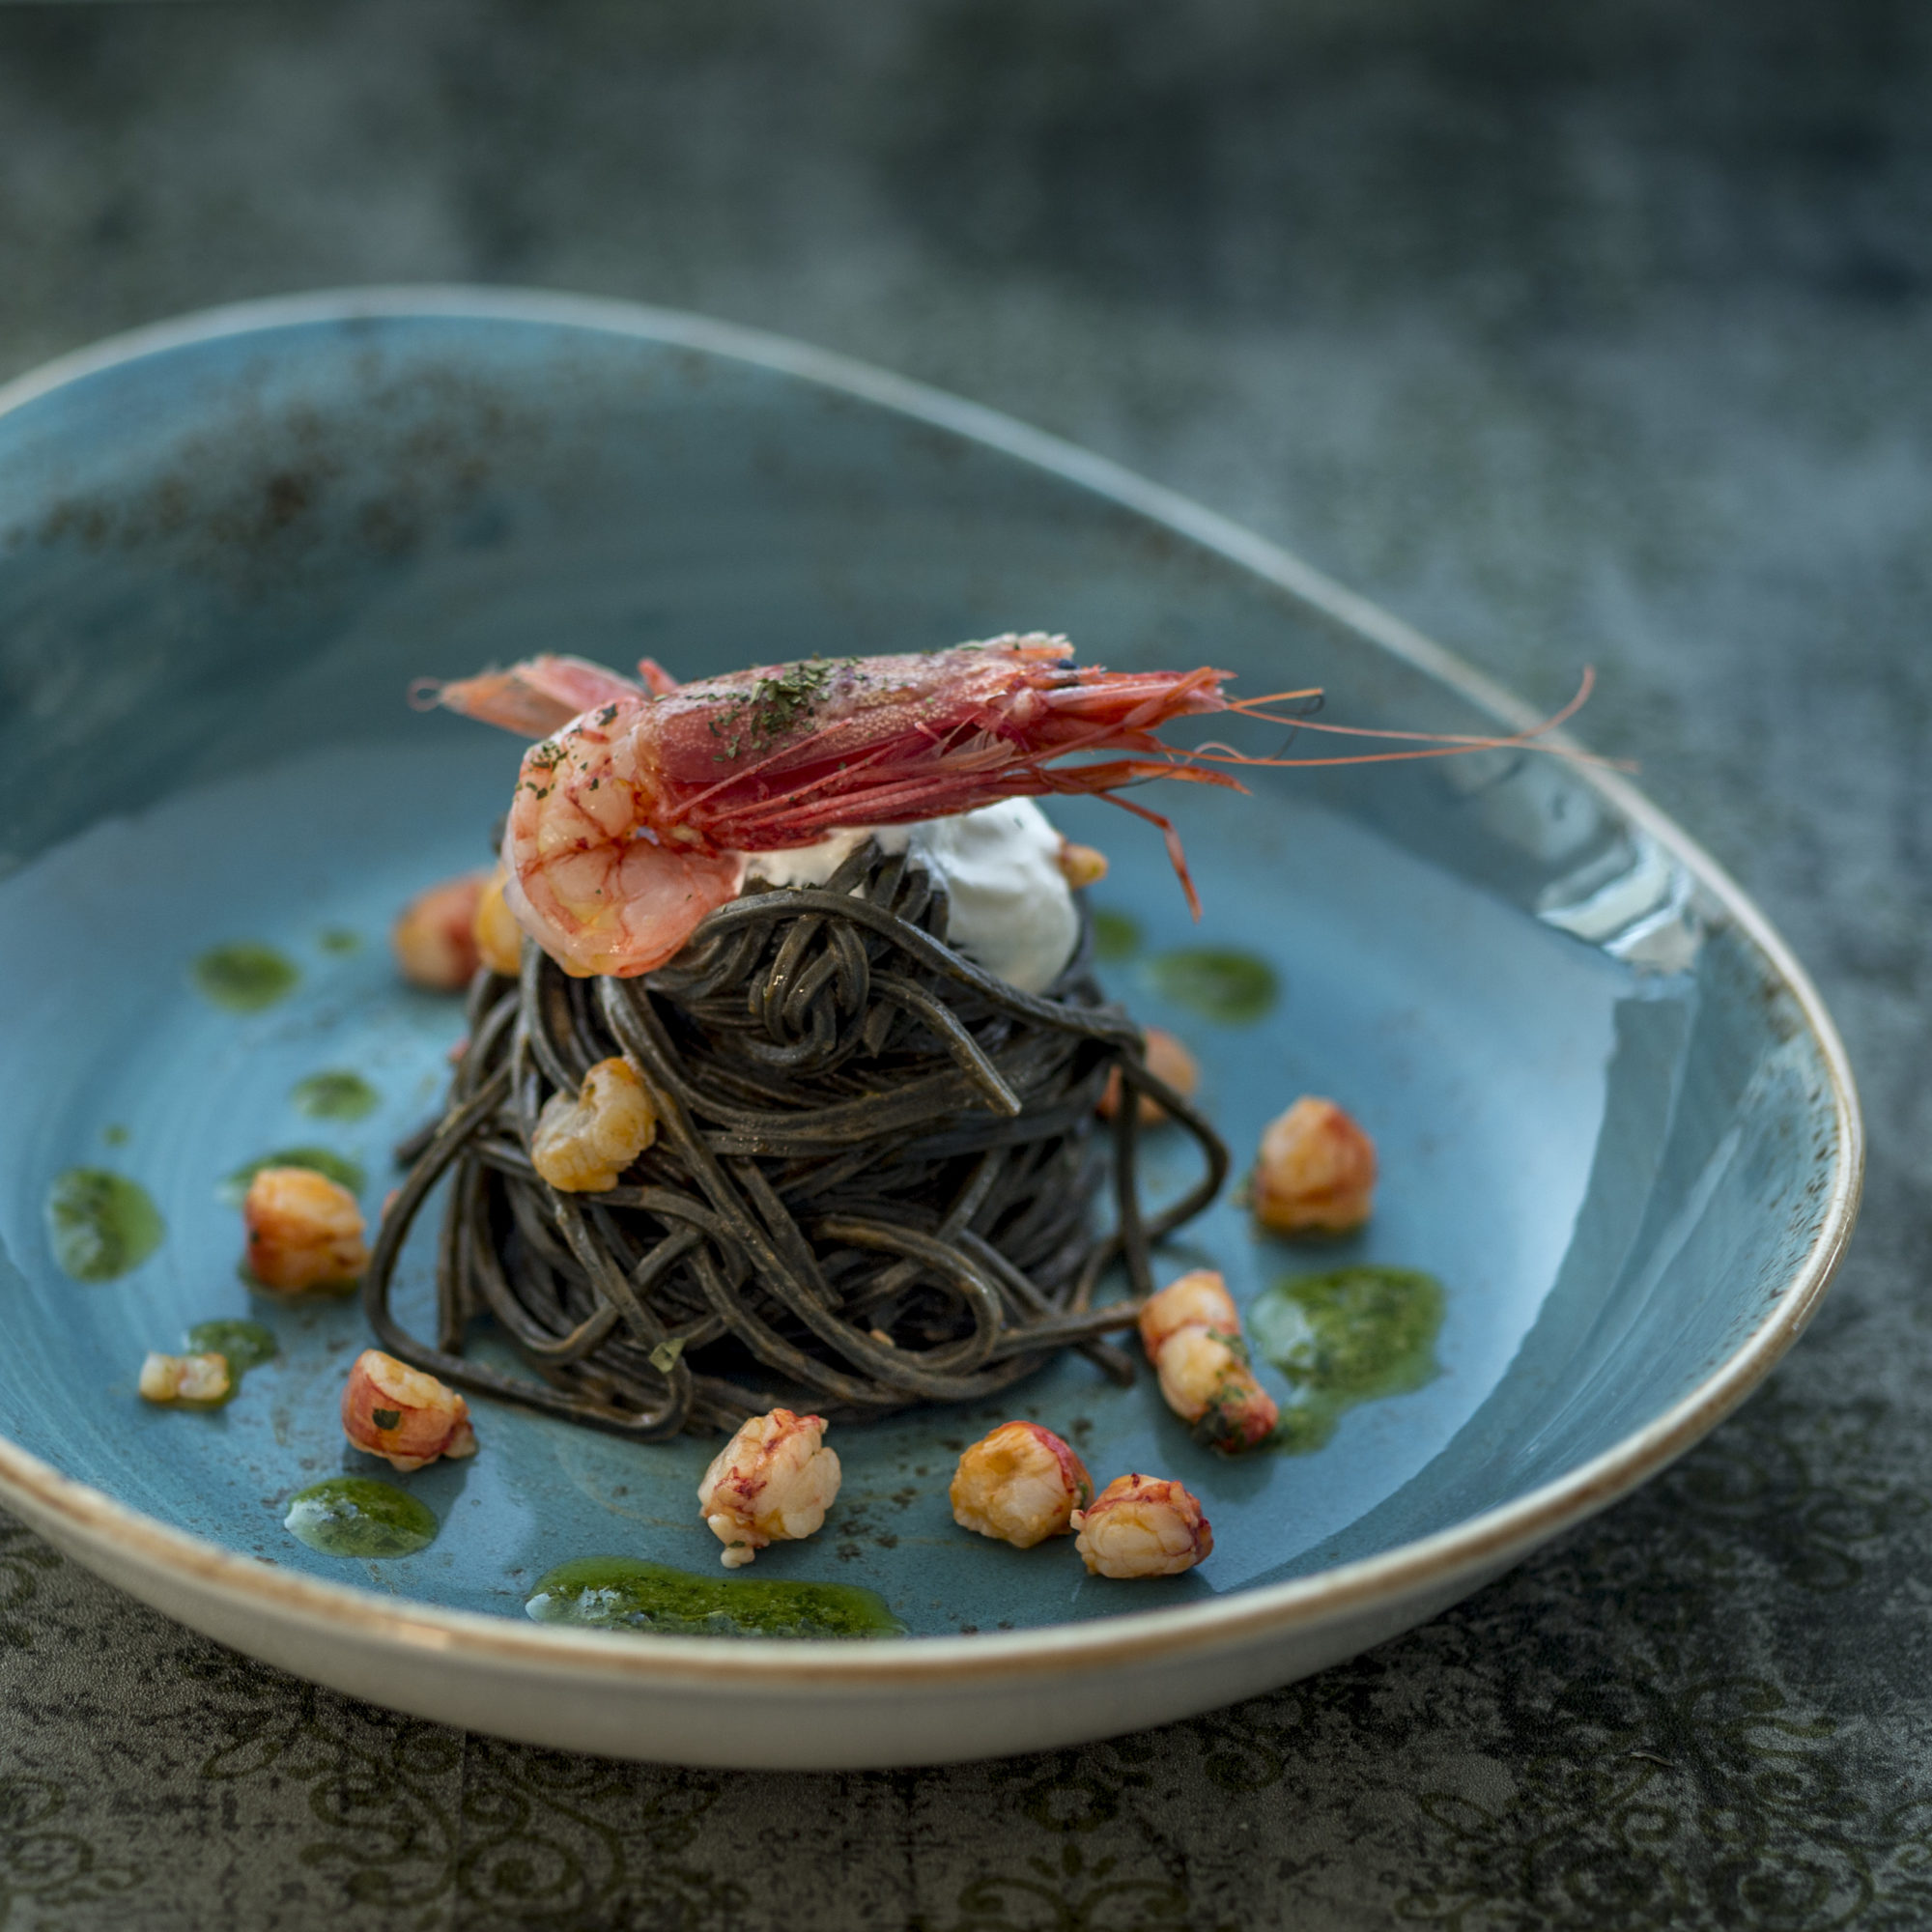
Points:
point(1567, 338)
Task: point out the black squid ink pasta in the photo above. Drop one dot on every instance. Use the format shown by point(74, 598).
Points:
point(875, 1183)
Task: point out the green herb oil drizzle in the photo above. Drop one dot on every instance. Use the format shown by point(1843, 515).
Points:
point(241, 1344)
point(244, 978)
point(1355, 1335)
point(627, 1593)
point(334, 1097)
point(101, 1224)
point(1235, 988)
point(357, 1516)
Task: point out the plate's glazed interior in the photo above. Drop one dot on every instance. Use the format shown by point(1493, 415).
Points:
point(1602, 1126)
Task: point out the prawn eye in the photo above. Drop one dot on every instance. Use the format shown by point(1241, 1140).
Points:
point(385, 1418)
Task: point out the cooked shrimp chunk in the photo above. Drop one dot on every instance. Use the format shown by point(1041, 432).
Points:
point(1198, 1299)
point(1141, 1527)
point(435, 937)
point(1316, 1170)
point(497, 938)
point(189, 1379)
point(771, 1483)
point(1205, 1380)
point(1169, 1060)
point(399, 1413)
point(1192, 1334)
point(1080, 864)
point(581, 1146)
point(304, 1231)
point(1019, 1485)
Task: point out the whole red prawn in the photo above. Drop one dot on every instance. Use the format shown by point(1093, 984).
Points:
point(635, 809)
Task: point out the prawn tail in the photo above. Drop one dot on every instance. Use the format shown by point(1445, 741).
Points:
point(532, 698)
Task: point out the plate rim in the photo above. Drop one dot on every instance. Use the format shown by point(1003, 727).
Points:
point(1479, 1546)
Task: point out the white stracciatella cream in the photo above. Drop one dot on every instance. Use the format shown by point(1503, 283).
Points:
point(1012, 909)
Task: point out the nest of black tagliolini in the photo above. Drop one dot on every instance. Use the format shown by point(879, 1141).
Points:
point(875, 1183)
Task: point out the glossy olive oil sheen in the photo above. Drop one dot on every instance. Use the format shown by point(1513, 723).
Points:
point(627, 1593)
point(360, 1515)
point(1354, 1335)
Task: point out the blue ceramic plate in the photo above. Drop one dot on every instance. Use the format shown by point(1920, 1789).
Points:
point(1615, 1126)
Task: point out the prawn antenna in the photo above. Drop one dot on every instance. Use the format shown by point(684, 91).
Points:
point(1416, 744)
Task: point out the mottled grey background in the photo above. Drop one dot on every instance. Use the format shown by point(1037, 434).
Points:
point(1578, 333)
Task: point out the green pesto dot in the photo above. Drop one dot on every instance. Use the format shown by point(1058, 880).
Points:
point(244, 978)
point(627, 1593)
point(360, 1515)
point(243, 1345)
point(101, 1224)
point(1358, 1334)
point(334, 1097)
point(1235, 988)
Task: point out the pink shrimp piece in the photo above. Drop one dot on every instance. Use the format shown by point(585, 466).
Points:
point(494, 930)
point(1316, 1171)
point(399, 1413)
point(1019, 1485)
point(304, 1233)
point(1169, 1062)
point(1205, 1380)
point(194, 1380)
point(1200, 1297)
point(435, 935)
point(1192, 1334)
point(631, 819)
point(1141, 1527)
point(771, 1483)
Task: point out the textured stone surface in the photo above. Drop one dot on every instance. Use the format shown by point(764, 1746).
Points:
point(1574, 335)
